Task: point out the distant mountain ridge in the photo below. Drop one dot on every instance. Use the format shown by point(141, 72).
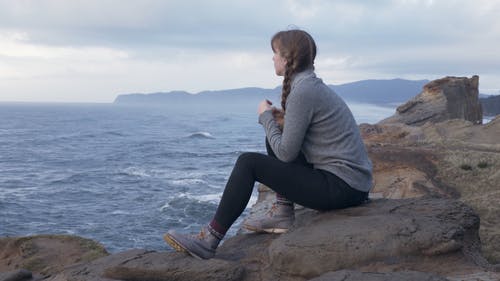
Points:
point(364, 91)
point(491, 105)
point(380, 91)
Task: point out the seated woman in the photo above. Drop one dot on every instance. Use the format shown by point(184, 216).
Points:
point(316, 158)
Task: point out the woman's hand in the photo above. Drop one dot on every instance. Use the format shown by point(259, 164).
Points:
point(264, 105)
point(279, 117)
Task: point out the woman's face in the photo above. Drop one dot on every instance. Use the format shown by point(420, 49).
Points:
point(279, 63)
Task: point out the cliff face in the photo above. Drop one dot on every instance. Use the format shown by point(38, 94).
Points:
point(442, 99)
point(433, 215)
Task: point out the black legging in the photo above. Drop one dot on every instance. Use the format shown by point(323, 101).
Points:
point(297, 181)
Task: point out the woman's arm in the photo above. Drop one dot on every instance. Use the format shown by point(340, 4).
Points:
point(287, 144)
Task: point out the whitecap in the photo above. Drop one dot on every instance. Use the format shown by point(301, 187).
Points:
point(201, 135)
point(212, 198)
point(136, 171)
point(165, 206)
point(120, 212)
point(188, 182)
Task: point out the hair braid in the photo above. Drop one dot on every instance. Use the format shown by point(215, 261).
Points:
point(299, 50)
point(287, 86)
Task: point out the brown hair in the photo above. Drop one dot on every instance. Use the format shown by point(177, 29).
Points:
point(297, 47)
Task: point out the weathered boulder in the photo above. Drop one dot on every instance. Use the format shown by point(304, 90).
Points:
point(382, 236)
point(150, 265)
point(380, 231)
point(46, 254)
point(442, 99)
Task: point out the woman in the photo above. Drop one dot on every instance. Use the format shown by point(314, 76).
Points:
point(316, 158)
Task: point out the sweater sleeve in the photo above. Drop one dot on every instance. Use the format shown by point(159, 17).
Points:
point(287, 144)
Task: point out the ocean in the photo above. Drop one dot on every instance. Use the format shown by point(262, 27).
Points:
point(123, 175)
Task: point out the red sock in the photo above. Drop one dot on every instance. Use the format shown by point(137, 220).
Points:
point(216, 229)
point(280, 199)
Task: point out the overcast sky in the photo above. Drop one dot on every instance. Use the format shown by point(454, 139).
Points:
point(93, 50)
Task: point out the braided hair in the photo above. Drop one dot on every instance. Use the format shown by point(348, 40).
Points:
point(297, 47)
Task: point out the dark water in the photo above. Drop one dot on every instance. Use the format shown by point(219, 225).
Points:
point(121, 175)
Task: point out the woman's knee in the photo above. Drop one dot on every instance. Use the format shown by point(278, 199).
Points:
point(247, 158)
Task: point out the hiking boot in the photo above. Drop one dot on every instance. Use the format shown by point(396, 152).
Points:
point(277, 220)
point(201, 246)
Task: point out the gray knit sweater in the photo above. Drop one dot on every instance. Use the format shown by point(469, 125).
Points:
point(319, 123)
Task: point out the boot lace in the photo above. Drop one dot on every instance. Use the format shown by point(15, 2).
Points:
point(273, 210)
point(202, 235)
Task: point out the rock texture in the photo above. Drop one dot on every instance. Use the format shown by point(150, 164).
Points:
point(20, 274)
point(442, 99)
point(46, 254)
point(432, 238)
point(350, 275)
point(453, 158)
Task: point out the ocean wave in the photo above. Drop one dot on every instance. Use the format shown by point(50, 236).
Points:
point(70, 179)
point(187, 182)
point(114, 134)
point(211, 198)
point(200, 135)
point(120, 212)
point(187, 198)
point(136, 172)
point(79, 136)
point(17, 192)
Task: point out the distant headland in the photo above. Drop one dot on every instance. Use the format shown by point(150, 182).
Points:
point(364, 91)
point(379, 92)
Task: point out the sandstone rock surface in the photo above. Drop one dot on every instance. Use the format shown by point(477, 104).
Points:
point(46, 254)
point(419, 234)
point(351, 275)
point(453, 158)
point(442, 99)
point(448, 154)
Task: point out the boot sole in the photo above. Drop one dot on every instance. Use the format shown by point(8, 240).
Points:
point(266, 230)
point(178, 246)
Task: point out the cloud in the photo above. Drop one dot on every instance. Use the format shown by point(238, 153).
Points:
point(91, 50)
point(15, 44)
point(186, 23)
point(53, 73)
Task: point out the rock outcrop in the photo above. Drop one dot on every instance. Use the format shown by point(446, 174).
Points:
point(45, 254)
point(442, 99)
point(453, 158)
point(447, 154)
point(431, 237)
